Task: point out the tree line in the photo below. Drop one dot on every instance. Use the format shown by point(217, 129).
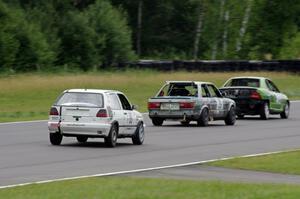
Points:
point(89, 34)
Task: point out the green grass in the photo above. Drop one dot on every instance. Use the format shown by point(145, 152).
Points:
point(29, 96)
point(126, 187)
point(286, 163)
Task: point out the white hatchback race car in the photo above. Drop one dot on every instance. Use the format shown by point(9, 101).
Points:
point(88, 113)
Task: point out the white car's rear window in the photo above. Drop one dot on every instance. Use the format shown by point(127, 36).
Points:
point(81, 99)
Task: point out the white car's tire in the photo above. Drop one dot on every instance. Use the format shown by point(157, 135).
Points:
point(139, 135)
point(55, 138)
point(111, 139)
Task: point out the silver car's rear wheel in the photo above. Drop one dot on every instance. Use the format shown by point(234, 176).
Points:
point(231, 117)
point(82, 139)
point(55, 138)
point(203, 120)
point(157, 121)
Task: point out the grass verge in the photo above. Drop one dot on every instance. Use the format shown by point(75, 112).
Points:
point(286, 163)
point(126, 187)
point(29, 96)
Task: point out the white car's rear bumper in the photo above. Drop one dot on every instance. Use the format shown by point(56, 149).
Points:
point(73, 129)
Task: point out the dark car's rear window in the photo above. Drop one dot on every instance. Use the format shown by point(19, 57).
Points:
point(81, 99)
point(244, 82)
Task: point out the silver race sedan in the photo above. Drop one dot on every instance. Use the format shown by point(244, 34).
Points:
point(188, 101)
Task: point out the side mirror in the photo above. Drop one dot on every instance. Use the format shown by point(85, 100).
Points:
point(134, 107)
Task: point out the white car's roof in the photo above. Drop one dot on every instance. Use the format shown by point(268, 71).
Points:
point(195, 82)
point(91, 91)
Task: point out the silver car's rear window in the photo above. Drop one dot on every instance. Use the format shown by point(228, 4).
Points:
point(81, 99)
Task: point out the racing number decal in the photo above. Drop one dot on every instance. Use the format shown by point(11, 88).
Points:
point(219, 105)
point(130, 119)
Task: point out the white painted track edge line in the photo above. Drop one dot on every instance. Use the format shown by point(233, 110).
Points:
point(23, 122)
point(145, 169)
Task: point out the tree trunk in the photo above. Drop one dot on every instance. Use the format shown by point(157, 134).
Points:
point(198, 30)
point(139, 27)
point(215, 46)
point(225, 34)
point(244, 26)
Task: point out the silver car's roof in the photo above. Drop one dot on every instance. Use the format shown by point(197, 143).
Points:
point(101, 91)
point(195, 82)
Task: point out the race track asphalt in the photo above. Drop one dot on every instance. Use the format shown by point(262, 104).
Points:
point(27, 156)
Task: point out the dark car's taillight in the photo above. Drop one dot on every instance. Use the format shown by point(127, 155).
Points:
point(53, 111)
point(153, 105)
point(255, 95)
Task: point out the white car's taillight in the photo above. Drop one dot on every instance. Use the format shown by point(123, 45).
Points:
point(102, 113)
point(53, 111)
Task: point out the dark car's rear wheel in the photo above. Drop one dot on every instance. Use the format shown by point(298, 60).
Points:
point(203, 120)
point(157, 121)
point(55, 138)
point(286, 112)
point(240, 116)
point(265, 111)
point(111, 139)
point(230, 118)
point(82, 139)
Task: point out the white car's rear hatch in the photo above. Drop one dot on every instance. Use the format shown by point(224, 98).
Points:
point(81, 107)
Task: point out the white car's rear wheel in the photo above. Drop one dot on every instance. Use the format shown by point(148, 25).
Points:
point(111, 139)
point(139, 135)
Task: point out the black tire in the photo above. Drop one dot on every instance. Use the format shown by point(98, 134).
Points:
point(286, 112)
point(55, 138)
point(82, 139)
point(111, 139)
point(139, 135)
point(203, 120)
point(185, 123)
point(231, 117)
point(240, 116)
point(157, 121)
point(265, 111)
